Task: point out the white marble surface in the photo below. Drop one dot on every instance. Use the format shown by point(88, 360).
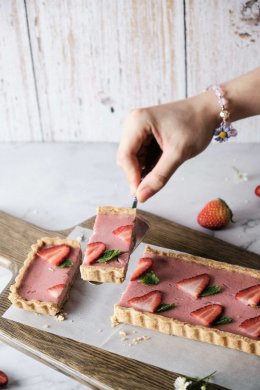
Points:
point(59, 185)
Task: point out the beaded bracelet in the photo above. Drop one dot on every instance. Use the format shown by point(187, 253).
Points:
point(225, 130)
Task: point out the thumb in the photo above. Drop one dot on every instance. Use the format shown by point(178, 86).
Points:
point(158, 177)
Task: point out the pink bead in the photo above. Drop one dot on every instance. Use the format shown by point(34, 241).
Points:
point(224, 101)
point(221, 90)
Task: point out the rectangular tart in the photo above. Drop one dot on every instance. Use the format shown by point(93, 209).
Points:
point(173, 267)
point(42, 285)
point(113, 229)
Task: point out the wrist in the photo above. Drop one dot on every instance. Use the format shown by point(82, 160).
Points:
point(243, 94)
point(206, 107)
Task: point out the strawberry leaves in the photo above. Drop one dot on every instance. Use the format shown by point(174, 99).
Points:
point(211, 290)
point(150, 278)
point(223, 320)
point(108, 255)
point(165, 307)
point(67, 263)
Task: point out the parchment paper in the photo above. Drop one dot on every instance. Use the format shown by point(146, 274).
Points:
point(88, 321)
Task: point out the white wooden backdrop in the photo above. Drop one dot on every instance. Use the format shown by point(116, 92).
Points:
point(70, 69)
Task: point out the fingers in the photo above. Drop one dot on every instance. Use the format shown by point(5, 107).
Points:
point(158, 177)
point(133, 138)
point(131, 167)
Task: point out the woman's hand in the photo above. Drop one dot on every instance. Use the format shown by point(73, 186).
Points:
point(182, 130)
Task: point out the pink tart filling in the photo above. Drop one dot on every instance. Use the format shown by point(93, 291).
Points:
point(171, 270)
point(105, 225)
point(42, 282)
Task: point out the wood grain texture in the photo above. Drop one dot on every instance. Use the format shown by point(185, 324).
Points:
point(222, 43)
point(85, 363)
point(96, 59)
point(18, 103)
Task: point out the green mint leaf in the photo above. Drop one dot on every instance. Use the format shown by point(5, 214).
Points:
point(149, 278)
point(65, 264)
point(164, 307)
point(211, 290)
point(223, 320)
point(109, 255)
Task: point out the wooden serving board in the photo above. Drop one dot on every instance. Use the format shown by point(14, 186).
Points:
point(87, 364)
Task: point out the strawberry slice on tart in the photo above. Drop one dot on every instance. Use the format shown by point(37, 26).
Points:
point(54, 254)
point(124, 233)
point(249, 296)
point(143, 265)
point(55, 291)
point(93, 251)
point(148, 302)
point(194, 285)
point(207, 314)
point(251, 326)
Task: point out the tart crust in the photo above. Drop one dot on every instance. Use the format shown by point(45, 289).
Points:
point(175, 327)
point(41, 307)
point(106, 273)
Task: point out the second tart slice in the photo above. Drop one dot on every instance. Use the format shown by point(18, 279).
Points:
point(107, 254)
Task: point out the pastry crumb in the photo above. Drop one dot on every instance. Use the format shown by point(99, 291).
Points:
point(81, 237)
point(114, 321)
point(139, 339)
point(46, 326)
point(50, 269)
point(60, 317)
point(122, 333)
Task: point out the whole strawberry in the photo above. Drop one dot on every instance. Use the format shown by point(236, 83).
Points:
point(215, 215)
point(3, 379)
point(257, 191)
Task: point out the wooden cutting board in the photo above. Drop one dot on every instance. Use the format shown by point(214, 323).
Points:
point(87, 364)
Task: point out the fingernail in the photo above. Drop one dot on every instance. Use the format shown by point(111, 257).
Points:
point(145, 194)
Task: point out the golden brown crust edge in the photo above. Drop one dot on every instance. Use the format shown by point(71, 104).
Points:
point(204, 261)
point(115, 210)
point(34, 305)
point(174, 327)
point(103, 274)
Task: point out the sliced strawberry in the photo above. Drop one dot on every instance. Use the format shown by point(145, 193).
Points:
point(143, 265)
point(195, 285)
point(55, 254)
point(251, 326)
point(207, 314)
point(3, 379)
point(124, 233)
point(93, 252)
point(148, 302)
point(56, 290)
point(249, 296)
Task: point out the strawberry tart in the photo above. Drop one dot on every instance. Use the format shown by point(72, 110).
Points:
point(44, 281)
point(184, 295)
point(108, 250)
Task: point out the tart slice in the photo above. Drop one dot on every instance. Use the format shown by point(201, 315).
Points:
point(107, 253)
point(184, 295)
point(44, 281)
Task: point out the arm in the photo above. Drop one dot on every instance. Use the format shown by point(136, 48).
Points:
point(182, 129)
